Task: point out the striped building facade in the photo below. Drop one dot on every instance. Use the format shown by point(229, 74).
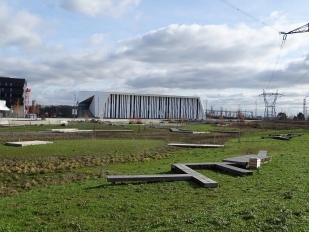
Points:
point(143, 106)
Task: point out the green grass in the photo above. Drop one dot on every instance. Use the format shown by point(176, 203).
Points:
point(275, 198)
point(80, 126)
point(83, 147)
point(36, 126)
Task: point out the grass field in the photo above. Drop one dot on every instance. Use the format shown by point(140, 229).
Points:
point(62, 186)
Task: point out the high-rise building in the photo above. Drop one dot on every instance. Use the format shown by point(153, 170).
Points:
point(13, 90)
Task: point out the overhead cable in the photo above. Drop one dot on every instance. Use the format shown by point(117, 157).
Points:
point(247, 14)
point(278, 57)
point(297, 80)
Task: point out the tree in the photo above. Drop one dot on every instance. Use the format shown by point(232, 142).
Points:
point(17, 107)
point(300, 117)
point(282, 116)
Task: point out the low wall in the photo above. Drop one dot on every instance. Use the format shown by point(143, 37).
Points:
point(29, 121)
point(55, 121)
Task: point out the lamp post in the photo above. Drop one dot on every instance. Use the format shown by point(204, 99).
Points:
point(74, 104)
point(255, 108)
point(304, 108)
point(98, 107)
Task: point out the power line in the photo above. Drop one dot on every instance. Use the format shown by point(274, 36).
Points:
point(302, 29)
point(247, 14)
point(308, 70)
point(275, 69)
point(305, 13)
point(297, 80)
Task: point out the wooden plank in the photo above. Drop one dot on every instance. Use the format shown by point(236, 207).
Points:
point(281, 137)
point(205, 181)
point(187, 172)
point(294, 135)
point(183, 169)
point(201, 165)
point(263, 158)
point(199, 178)
point(240, 161)
point(235, 170)
point(164, 177)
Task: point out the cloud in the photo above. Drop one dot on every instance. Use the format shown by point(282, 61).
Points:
point(206, 57)
point(176, 59)
point(18, 29)
point(110, 8)
point(96, 39)
point(201, 44)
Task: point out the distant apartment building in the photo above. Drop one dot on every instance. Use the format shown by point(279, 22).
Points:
point(12, 90)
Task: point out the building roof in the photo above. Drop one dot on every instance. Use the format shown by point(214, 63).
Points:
point(140, 94)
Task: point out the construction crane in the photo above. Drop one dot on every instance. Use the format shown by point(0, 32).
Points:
point(301, 29)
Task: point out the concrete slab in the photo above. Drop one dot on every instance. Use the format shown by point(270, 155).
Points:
point(186, 131)
point(221, 131)
point(74, 130)
point(27, 143)
point(113, 130)
point(70, 130)
point(195, 145)
point(180, 130)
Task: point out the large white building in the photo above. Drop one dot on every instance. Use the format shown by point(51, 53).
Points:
point(143, 106)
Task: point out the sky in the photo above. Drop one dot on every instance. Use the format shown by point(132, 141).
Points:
point(226, 53)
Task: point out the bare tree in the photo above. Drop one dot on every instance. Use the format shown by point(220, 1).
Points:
point(17, 107)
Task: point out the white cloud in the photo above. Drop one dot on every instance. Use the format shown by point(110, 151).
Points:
point(207, 57)
point(96, 39)
point(110, 8)
point(172, 60)
point(18, 29)
point(201, 44)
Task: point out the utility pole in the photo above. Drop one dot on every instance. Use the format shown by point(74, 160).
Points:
point(255, 108)
point(98, 107)
point(305, 108)
point(206, 108)
point(74, 104)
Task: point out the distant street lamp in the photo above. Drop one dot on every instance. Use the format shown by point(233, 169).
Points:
point(98, 107)
point(74, 104)
point(304, 108)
